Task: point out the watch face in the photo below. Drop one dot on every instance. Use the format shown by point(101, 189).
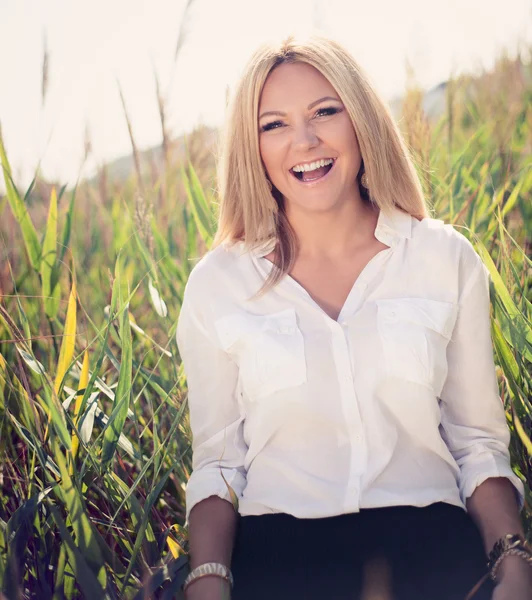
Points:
point(513, 541)
point(510, 540)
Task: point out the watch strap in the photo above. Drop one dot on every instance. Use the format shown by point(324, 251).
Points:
point(207, 570)
point(510, 544)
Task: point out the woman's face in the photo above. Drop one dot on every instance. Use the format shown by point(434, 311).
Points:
point(307, 124)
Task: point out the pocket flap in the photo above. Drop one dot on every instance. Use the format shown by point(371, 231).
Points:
point(284, 321)
point(435, 314)
point(234, 326)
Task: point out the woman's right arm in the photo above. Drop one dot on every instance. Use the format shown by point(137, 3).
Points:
point(212, 528)
point(218, 446)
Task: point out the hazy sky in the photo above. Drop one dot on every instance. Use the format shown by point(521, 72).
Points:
point(93, 44)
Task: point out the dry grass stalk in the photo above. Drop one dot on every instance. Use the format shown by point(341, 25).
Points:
point(182, 33)
point(503, 92)
point(450, 97)
point(161, 106)
point(87, 143)
point(199, 146)
point(142, 221)
point(166, 145)
point(45, 71)
point(136, 155)
point(417, 129)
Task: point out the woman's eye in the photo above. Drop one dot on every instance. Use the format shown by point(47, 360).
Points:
point(321, 112)
point(273, 125)
point(331, 110)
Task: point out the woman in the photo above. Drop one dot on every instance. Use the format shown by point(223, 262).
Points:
point(337, 347)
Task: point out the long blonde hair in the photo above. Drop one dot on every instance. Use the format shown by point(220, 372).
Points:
point(252, 213)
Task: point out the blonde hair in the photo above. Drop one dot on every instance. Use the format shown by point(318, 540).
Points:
point(249, 210)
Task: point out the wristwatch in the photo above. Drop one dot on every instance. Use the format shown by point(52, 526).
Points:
point(209, 569)
point(510, 544)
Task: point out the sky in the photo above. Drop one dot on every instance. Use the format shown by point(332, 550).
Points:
point(95, 46)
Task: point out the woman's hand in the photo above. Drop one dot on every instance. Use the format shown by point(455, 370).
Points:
point(209, 588)
point(515, 580)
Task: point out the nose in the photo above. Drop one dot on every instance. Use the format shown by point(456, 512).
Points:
point(305, 137)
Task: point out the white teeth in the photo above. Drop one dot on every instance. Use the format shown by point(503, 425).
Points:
point(313, 166)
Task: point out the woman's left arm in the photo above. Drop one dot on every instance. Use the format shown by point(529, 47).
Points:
point(493, 506)
point(473, 419)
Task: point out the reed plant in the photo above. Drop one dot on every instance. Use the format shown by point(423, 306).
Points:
point(94, 428)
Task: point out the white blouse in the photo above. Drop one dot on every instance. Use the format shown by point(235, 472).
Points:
point(395, 403)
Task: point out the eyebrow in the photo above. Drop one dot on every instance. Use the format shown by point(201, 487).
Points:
point(310, 106)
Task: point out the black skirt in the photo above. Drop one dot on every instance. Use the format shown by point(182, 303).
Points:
point(393, 553)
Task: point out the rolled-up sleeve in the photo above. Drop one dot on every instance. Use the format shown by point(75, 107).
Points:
point(473, 418)
point(216, 422)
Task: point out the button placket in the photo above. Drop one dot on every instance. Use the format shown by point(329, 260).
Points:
point(353, 424)
point(351, 409)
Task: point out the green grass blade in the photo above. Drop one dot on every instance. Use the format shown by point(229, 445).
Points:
point(85, 577)
point(199, 205)
point(82, 528)
point(515, 322)
point(123, 390)
point(67, 227)
point(31, 241)
point(50, 287)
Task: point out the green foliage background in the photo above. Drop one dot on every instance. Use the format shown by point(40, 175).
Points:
point(94, 429)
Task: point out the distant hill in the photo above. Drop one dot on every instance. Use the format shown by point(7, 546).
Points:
point(120, 169)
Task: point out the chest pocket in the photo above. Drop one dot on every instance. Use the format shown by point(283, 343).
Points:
point(269, 350)
point(415, 333)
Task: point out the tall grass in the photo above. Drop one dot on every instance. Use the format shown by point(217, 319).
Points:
point(94, 428)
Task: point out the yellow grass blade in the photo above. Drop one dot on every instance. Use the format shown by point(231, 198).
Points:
point(527, 442)
point(83, 382)
point(69, 339)
point(232, 493)
point(3, 368)
point(173, 546)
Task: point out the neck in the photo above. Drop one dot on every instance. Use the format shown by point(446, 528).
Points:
point(336, 233)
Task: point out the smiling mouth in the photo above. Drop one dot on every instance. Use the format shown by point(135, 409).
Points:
point(314, 175)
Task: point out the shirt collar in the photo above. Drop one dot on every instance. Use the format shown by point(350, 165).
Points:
point(391, 228)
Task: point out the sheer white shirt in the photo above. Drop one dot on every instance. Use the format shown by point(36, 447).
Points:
point(395, 403)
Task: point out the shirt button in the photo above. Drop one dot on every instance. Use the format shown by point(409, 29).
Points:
point(344, 324)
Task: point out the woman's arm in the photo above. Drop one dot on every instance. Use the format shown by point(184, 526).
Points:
point(218, 447)
point(473, 419)
point(212, 528)
point(474, 424)
point(474, 427)
point(493, 506)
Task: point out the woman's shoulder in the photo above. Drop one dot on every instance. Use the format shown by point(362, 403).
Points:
point(221, 263)
point(443, 255)
point(443, 239)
